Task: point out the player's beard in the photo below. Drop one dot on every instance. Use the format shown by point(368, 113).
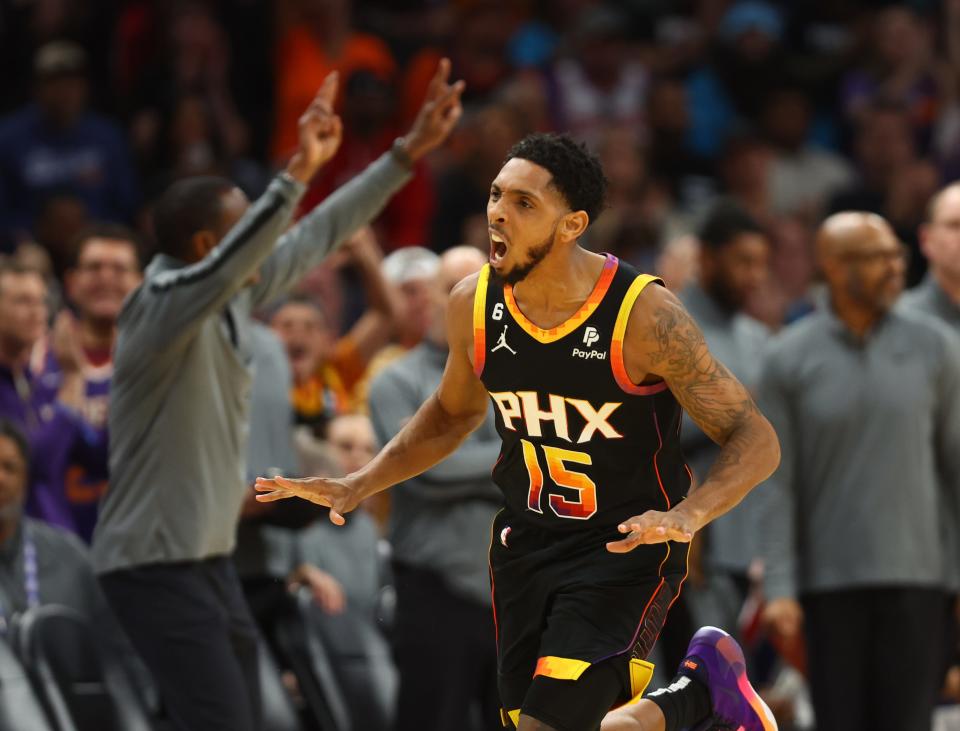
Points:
point(536, 255)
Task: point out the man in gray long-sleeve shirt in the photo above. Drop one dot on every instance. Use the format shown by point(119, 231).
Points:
point(178, 417)
point(440, 531)
point(866, 402)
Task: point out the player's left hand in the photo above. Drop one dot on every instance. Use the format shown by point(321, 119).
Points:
point(338, 494)
point(653, 526)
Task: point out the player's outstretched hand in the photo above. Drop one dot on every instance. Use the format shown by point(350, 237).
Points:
point(320, 132)
point(653, 526)
point(337, 494)
point(438, 116)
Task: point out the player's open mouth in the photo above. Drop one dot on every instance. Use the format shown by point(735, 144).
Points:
point(498, 248)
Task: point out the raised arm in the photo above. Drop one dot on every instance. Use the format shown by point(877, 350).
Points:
point(437, 428)
point(172, 305)
point(664, 343)
point(361, 200)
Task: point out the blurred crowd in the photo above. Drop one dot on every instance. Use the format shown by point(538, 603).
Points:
point(728, 129)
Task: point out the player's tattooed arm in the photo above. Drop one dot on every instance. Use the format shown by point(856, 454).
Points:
point(664, 342)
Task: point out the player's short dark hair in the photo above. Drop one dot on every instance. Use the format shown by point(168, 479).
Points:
point(112, 231)
point(185, 208)
point(12, 432)
point(576, 172)
point(724, 222)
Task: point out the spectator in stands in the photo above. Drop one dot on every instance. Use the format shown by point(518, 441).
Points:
point(440, 529)
point(734, 265)
point(61, 215)
point(46, 405)
point(411, 273)
point(105, 270)
point(314, 41)
point(893, 181)
point(56, 144)
point(744, 173)
point(39, 563)
point(899, 69)
point(369, 115)
point(326, 369)
point(866, 402)
point(747, 62)
point(803, 176)
point(939, 293)
point(341, 564)
point(600, 81)
point(179, 406)
point(687, 175)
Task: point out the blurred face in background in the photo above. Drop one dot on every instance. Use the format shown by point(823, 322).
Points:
point(352, 441)
point(737, 270)
point(13, 480)
point(884, 144)
point(62, 99)
point(23, 309)
point(305, 334)
point(868, 268)
point(455, 264)
point(107, 271)
point(786, 119)
point(416, 308)
point(899, 37)
point(940, 238)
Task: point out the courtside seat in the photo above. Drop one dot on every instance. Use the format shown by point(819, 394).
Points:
point(20, 710)
point(279, 713)
point(362, 663)
point(81, 686)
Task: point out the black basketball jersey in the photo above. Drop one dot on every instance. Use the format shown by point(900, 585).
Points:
point(580, 441)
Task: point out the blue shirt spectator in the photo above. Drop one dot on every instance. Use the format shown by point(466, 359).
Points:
point(56, 145)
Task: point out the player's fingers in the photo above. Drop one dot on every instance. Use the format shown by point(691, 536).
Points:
point(269, 497)
point(336, 518)
point(264, 484)
point(624, 546)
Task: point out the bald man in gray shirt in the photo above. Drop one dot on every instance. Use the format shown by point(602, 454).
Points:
point(866, 401)
point(179, 405)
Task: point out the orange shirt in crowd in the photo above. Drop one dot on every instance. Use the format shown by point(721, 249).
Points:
point(332, 386)
point(302, 65)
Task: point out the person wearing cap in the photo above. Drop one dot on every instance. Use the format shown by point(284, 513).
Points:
point(56, 145)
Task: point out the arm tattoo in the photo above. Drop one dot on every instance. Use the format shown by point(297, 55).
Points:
point(713, 397)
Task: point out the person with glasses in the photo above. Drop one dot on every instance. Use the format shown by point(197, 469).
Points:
point(865, 398)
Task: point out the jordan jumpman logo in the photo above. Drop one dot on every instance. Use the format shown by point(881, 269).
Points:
point(502, 342)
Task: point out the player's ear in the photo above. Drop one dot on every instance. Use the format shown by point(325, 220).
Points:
point(573, 225)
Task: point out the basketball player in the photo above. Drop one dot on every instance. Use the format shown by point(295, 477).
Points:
point(588, 364)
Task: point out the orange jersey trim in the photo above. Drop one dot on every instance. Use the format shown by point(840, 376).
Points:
point(480, 321)
point(620, 330)
point(576, 319)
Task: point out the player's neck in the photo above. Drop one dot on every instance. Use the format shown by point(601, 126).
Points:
point(561, 279)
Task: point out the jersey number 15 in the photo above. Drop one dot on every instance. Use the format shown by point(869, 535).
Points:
point(584, 505)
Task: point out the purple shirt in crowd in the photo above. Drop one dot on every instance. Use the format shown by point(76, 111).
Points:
point(68, 466)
